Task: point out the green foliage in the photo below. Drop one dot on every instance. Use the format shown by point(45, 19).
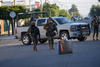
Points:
point(95, 10)
point(55, 10)
point(63, 13)
point(74, 7)
point(74, 11)
point(51, 9)
point(37, 10)
point(5, 10)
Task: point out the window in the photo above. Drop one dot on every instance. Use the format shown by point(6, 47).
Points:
point(23, 22)
point(63, 20)
point(41, 22)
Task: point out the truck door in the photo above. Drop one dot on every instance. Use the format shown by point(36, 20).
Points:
point(40, 23)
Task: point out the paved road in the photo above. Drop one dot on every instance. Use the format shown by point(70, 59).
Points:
point(85, 54)
point(14, 54)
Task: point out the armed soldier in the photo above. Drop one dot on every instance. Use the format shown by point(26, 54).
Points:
point(35, 35)
point(51, 31)
point(95, 25)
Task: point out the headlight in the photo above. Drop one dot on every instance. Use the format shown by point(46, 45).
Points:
point(73, 28)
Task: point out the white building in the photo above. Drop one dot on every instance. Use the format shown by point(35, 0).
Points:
point(10, 3)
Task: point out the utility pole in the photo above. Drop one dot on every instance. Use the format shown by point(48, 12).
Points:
point(47, 1)
point(14, 2)
point(24, 2)
point(41, 5)
point(3, 0)
point(0, 4)
point(30, 7)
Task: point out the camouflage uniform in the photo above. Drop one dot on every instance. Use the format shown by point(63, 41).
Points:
point(50, 28)
point(95, 25)
point(35, 35)
point(0, 29)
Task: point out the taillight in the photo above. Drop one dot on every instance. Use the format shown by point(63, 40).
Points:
point(15, 31)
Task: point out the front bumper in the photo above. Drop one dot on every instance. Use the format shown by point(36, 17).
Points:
point(80, 31)
point(79, 34)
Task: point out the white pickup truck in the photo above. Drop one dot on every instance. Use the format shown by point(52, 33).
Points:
point(65, 27)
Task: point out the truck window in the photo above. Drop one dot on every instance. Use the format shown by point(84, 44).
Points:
point(53, 21)
point(63, 20)
point(23, 22)
point(41, 22)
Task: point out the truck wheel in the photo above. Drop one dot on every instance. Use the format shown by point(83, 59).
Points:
point(82, 38)
point(26, 40)
point(42, 40)
point(64, 34)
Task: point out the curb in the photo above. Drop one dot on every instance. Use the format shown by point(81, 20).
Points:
point(7, 37)
point(7, 45)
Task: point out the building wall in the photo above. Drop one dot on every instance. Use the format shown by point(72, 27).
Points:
point(4, 28)
point(1, 23)
point(37, 4)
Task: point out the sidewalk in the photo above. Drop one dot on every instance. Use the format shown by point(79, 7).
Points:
point(7, 37)
point(9, 41)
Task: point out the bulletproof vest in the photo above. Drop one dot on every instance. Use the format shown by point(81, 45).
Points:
point(51, 27)
point(96, 22)
point(34, 31)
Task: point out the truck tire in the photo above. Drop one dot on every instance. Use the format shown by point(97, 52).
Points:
point(42, 40)
point(64, 34)
point(82, 38)
point(26, 40)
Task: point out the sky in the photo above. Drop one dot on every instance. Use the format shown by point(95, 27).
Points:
point(82, 5)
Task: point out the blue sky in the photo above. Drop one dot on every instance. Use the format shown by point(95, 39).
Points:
point(82, 5)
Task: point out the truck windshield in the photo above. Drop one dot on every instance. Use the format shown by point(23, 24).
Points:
point(63, 20)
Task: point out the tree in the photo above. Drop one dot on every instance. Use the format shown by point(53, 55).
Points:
point(64, 13)
point(51, 9)
point(54, 10)
point(5, 10)
point(95, 10)
point(74, 11)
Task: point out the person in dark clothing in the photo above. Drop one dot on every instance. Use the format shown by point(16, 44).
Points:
point(0, 29)
point(73, 19)
point(51, 31)
point(35, 35)
point(95, 25)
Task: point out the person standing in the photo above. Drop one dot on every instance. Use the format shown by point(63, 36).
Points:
point(35, 35)
point(0, 30)
point(51, 31)
point(95, 25)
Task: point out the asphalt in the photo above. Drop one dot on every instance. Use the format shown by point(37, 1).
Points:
point(14, 54)
point(85, 54)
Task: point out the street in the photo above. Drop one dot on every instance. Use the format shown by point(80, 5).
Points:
point(85, 54)
point(63, 18)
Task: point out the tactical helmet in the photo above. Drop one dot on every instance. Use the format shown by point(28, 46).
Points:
point(33, 23)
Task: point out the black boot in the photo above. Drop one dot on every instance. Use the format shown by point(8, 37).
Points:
point(35, 48)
